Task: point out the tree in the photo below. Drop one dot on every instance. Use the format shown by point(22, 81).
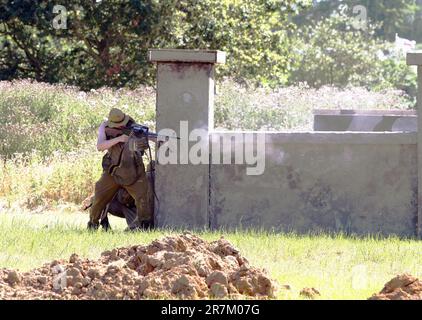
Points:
point(393, 16)
point(333, 52)
point(417, 23)
point(106, 42)
point(102, 43)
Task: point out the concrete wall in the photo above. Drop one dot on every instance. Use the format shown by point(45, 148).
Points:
point(185, 94)
point(354, 182)
point(351, 182)
point(365, 121)
point(415, 59)
point(189, 92)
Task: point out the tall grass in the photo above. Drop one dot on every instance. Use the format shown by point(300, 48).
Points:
point(48, 132)
point(291, 108)
point(33, 181)
point(47, 118)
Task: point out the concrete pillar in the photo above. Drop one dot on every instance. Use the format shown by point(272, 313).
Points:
point(415, 59)
point(185, 93)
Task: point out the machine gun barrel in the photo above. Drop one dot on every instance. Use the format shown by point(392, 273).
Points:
point(142, 131)
point(156, 135)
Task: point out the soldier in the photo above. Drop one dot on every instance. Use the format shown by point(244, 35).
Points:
point(123, 205)
point(122, 168)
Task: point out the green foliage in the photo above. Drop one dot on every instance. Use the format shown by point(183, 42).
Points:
point(393, 16)
point(397, 74)
point(32, 181)
point(106, 42)
point(291, 108)
point(333, 52)
point(253, 33)
point(46, 118)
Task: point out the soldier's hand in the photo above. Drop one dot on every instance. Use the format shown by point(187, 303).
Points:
point(124, 138)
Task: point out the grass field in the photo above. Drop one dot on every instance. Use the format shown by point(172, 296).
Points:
point(339, 267)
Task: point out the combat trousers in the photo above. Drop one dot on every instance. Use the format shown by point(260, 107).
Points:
point(105, 190)
point(120, 210)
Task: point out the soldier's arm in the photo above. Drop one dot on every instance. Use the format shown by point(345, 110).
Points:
point(104, 144)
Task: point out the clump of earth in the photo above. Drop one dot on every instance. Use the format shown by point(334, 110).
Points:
point(182, 267)
point(402, 287)
point(310, 293)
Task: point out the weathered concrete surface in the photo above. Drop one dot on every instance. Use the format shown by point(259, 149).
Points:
point(358, 187)
point(185, 92)
point(325, 120)
point(390, 112)
point(419, 107)
point(364, 183)
point(318, 138)
point(182, 55)
point(415, 58)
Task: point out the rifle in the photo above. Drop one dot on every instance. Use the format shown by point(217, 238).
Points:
point(140, 131)
point(136, 130)
point(142, 136)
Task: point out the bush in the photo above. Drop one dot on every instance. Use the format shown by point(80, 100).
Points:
point(291, 108)
point(333, 52)
point(32, 181)
point(105, 43)
point(46, 118)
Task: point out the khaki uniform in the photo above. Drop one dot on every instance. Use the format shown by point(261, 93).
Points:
point(122, 169)
point(122, 206)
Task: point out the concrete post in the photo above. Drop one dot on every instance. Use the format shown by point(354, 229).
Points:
point(415, 59)
point(185, 96)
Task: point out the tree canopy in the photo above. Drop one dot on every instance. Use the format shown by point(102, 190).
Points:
point(92, 43)
point(393, 16)
point(96, 43)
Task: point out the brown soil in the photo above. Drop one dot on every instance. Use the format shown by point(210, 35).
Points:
point(310, 293)
point(183, 266)
point(402, 287)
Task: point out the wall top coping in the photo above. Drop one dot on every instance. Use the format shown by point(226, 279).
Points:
point(327, 137)
point(182, 55)
point(344, 112)
point(414, 58)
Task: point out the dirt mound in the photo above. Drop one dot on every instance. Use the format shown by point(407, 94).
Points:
point(402, 287)
point(310, 293)
point(183, 266)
